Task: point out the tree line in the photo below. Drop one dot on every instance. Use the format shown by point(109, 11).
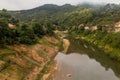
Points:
point(21, 33)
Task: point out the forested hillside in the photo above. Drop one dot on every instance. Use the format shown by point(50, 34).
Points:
point(12, 31)
point(68, 15)
point(87, 20)
point(42, 13)
point(25, 48)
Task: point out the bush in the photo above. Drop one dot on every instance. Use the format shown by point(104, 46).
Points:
point(38, 30)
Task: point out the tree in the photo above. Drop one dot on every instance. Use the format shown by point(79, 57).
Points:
point(38, 30)
point(26, 35)
point(49, 29)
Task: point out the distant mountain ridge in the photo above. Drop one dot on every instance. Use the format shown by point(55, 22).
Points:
point(44, 11)
point(70, 15)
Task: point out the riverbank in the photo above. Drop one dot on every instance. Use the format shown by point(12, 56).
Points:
point(66, 44)
point(48, 72)
point(26, 62)
point(102, 40)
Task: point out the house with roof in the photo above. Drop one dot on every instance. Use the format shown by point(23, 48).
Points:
point(93, 28)
point(117, 27)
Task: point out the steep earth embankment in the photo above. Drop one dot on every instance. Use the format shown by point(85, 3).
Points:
point(25, 62)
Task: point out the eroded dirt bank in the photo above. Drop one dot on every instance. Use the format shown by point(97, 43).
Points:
point(23, 62)
point(66, 44)
point(50, 70)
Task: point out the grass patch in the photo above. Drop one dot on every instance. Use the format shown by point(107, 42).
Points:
point(6, 51)
point(44, 41)
point(13, 71)
point(102, 40)
point(42, 54)
point(45, 70)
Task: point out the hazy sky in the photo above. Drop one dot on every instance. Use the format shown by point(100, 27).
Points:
point(27, 4)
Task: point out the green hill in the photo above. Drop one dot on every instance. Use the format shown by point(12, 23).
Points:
point(69, 15)
point(45, 12)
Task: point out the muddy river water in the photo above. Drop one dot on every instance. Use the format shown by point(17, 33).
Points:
point(84, 61)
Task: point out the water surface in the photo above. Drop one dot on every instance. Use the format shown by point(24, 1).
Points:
point(84, 61)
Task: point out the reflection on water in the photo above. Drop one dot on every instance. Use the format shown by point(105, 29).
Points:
point(81, 67)
point(85, 64)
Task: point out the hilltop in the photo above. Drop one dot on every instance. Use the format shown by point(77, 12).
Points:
point(67, 16)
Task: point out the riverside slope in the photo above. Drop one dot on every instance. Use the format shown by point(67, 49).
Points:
point(23, 62)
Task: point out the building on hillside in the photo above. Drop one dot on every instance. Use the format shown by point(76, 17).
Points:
point(109, 29)
point(93, 28)
point(11, 26)
point(87, 28)
point(117, 27)
point(81, 25)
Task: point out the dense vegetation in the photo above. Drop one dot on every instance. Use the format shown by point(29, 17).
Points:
point(107, 41)
point(21, 33)
point(69, 16)
point(47, 12)
point(102, 16)
point(25, 47)
point(44, 19)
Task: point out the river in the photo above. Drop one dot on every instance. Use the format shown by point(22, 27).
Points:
point(84, 61)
